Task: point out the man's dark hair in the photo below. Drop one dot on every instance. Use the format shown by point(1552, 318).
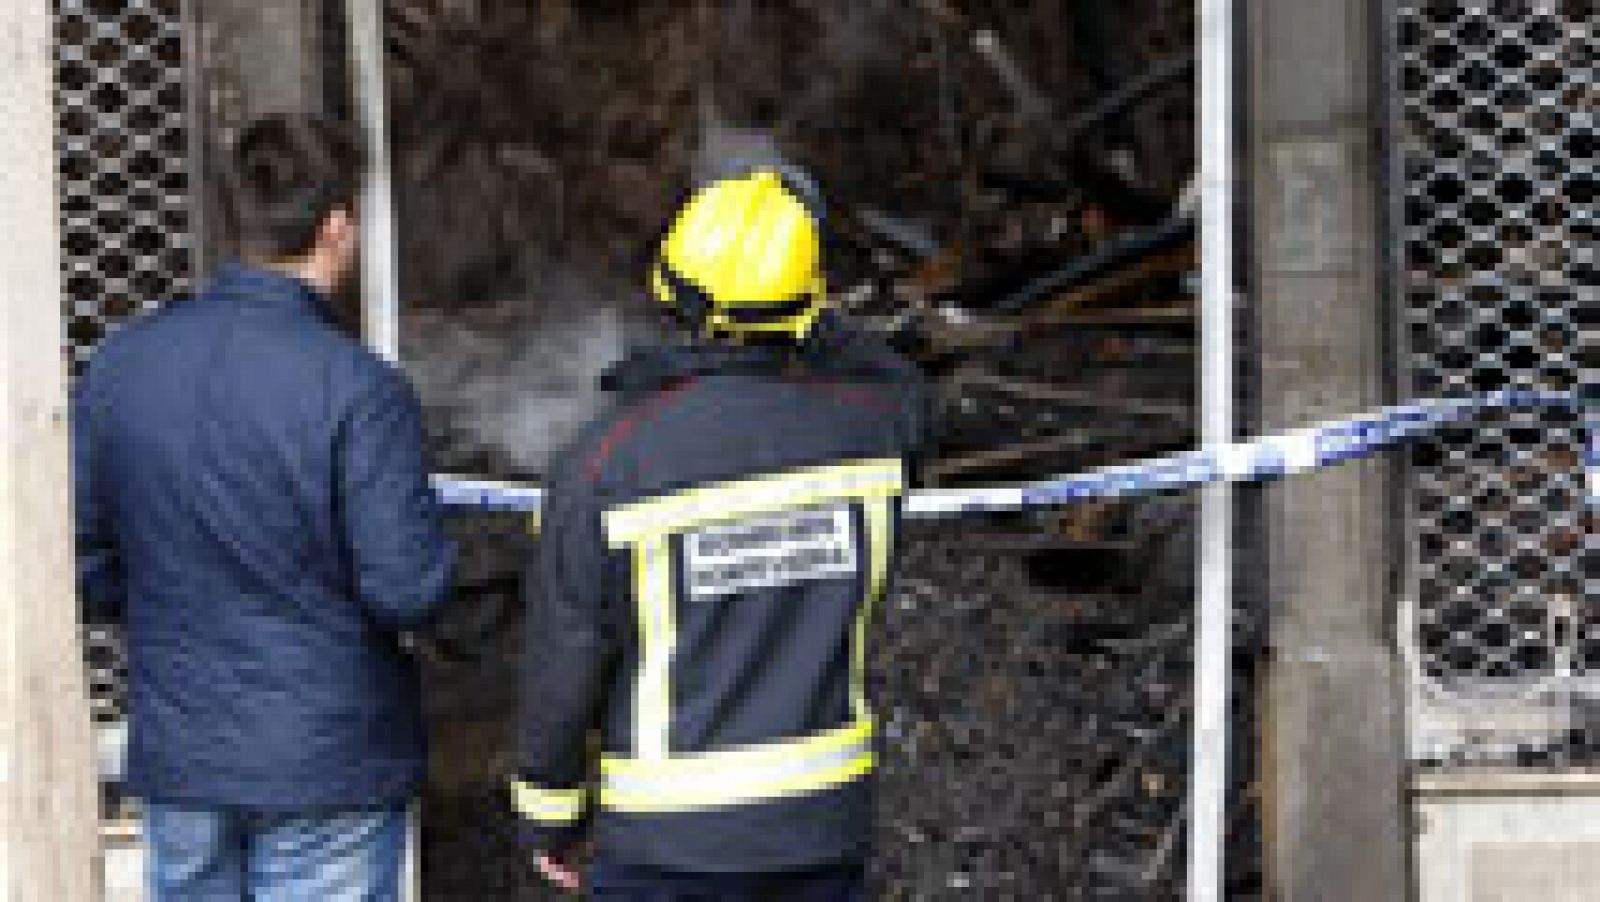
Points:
point(284, 176)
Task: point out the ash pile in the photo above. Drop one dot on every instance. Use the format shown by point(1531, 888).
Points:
point(1008, 203)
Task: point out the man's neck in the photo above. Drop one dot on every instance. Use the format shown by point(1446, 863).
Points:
point(307, 270)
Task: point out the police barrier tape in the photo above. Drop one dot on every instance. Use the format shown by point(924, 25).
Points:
point(1295, 451)
point(1281, 454)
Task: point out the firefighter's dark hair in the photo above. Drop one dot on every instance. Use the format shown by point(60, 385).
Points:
point(283, 177)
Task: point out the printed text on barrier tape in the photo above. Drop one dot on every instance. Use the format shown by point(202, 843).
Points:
point(1268, 457)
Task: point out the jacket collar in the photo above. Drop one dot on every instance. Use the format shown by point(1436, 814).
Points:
point(240, 282)
point(651, 369)
point(826, 353)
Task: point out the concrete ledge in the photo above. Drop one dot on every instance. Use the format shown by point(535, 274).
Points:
point(1502, 836)
point(1506, 782)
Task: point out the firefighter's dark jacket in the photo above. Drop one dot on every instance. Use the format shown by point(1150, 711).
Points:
point(251, 498)
point(709, 558)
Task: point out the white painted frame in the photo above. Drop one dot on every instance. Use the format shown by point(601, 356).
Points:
point(1209, 766)
point(380, 275)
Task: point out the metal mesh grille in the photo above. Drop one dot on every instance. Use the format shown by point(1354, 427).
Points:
point(1497, 160)
point(124, 157)
point(125, 228)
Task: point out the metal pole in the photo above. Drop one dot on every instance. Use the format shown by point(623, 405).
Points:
point(1209, 767)
point(380, 286)
point(380, 277)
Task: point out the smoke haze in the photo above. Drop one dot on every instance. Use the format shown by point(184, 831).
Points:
point(514, 379)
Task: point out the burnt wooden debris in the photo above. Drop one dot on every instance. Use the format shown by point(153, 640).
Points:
point(1007, 201)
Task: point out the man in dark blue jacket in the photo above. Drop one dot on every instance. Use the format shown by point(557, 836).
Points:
point(252, 501)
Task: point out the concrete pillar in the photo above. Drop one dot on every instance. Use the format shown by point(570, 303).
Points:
point(262, 57)
point(48, 820)
point(1334, 756)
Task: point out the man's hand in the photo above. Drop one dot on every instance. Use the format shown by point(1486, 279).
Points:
point(560, 870)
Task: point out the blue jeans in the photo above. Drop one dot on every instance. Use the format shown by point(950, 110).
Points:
point(232, 855)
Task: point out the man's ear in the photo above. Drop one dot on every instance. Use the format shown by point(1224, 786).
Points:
point(338, 228)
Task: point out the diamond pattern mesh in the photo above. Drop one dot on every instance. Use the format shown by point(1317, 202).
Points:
point(1497, 161)
point(123, 157)
point(125, 230)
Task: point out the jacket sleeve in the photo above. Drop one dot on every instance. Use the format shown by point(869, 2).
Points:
point(401, 562)
point(100, 577)
point(571, 647)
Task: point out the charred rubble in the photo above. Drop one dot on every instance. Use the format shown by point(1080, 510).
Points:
point(1008, 196)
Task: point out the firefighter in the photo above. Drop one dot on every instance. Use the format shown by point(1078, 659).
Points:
point(711, 554)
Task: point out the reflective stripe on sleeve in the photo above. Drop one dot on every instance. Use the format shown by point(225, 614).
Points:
point(691, 782)
point(547, 806)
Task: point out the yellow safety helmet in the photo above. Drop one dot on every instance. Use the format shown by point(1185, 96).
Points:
point(743, 259)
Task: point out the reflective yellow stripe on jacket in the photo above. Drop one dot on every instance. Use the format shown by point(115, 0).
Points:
point(658, 631)
point(733, 776)
point(879, 539)
point(774, 493)
point(547, 806)
point(653, 779)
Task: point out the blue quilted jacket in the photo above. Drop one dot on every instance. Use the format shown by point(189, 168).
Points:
point(253, 503)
